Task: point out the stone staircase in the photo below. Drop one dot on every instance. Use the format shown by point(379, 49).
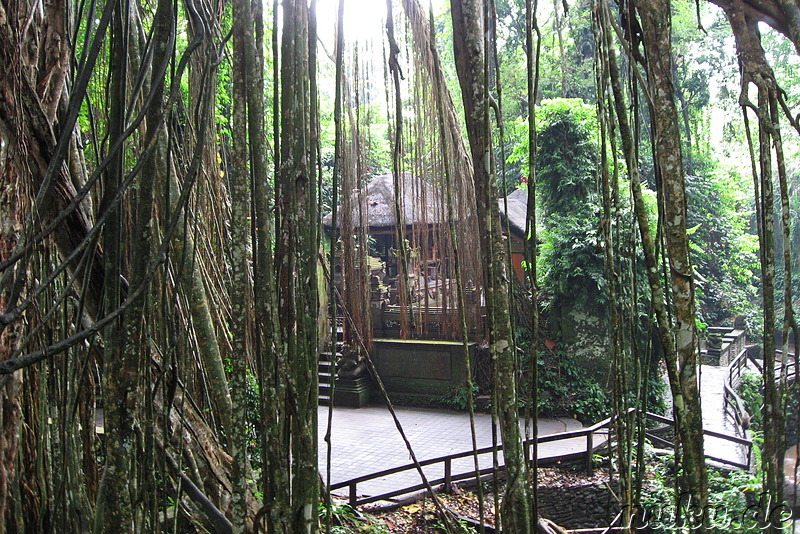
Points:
point(351, 392)
point(324, 374)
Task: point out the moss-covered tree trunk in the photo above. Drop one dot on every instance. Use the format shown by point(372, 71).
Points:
point(196, 288)
point(471, 58)
point(755, 70)
point(270, 353)
point(296, 261)
point(136, 343)
point(656, 26)
point(240, 257)
point(33, 42)
point(11, 217)
point(774, 431)
point(532, 53)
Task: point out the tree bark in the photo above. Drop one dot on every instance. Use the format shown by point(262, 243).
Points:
point(296, 263)
point(471, 65)
point(135, 346)
point(531, 244)
point(240, 256)
point(114, 512)
point(782, 15)
point(10, 216)
point(656, 26)
point(756, 70)
point(270, 354)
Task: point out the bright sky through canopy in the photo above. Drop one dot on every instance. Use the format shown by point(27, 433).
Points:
point(363, 19)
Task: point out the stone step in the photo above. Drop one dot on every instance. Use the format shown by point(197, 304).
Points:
point(326, 356)
point(324, 376)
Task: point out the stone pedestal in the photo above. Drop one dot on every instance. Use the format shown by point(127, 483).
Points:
point(352, 392)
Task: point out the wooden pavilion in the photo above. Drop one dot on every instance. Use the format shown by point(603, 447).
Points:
point(415, 345)
point(430, 286)
point(419, 208)
point(514, 222)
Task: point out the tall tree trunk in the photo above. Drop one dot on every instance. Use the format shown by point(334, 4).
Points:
point(135, 325)
point(533, 53)
point(471, 64)
point(241, 289)
point(195, 286)
point(11, 216)
point(270, 356)
point(656, 25)
point(772, 453)
point(34, 64)
point(114, 511)
point(296, 262)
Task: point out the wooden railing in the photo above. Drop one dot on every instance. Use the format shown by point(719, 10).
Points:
point(736, 368)
point(748, 444)
point(733, 404)
point(790, 367)
point(448, 478)
point(603, 428)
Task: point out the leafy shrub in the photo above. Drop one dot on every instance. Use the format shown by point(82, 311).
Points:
point(732, 507)
point(724, 253)
point(344, 519)
point(457, 397)
point(566, 389)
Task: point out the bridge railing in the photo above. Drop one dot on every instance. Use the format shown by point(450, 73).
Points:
point(733, 404)
point(746, 443)
point(790, 368)
point(601, 430)
point(446, 462)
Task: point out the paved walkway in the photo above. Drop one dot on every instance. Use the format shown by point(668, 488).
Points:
point(712, 398)
point(366, 440)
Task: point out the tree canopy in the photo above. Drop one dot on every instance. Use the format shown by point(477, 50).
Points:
point(166, 285)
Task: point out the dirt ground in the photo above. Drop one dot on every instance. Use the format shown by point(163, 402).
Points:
point(422, 516)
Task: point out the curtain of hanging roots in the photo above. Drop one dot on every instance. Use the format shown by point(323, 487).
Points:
point(348, 256)
point(353, 216)
point(435, 268)
point(611, 226)
point(425, 271)
point(361, 157)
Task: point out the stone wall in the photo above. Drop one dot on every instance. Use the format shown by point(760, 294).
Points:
point(426, 368)
point(573, 507)
point(723, 345)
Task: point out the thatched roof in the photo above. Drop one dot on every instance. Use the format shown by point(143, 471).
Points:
point(517, 211)
point(380, 203)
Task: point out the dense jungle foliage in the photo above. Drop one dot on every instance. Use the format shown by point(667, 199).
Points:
point(170, 288)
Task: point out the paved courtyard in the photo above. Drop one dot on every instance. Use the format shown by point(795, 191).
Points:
point(366, 440)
